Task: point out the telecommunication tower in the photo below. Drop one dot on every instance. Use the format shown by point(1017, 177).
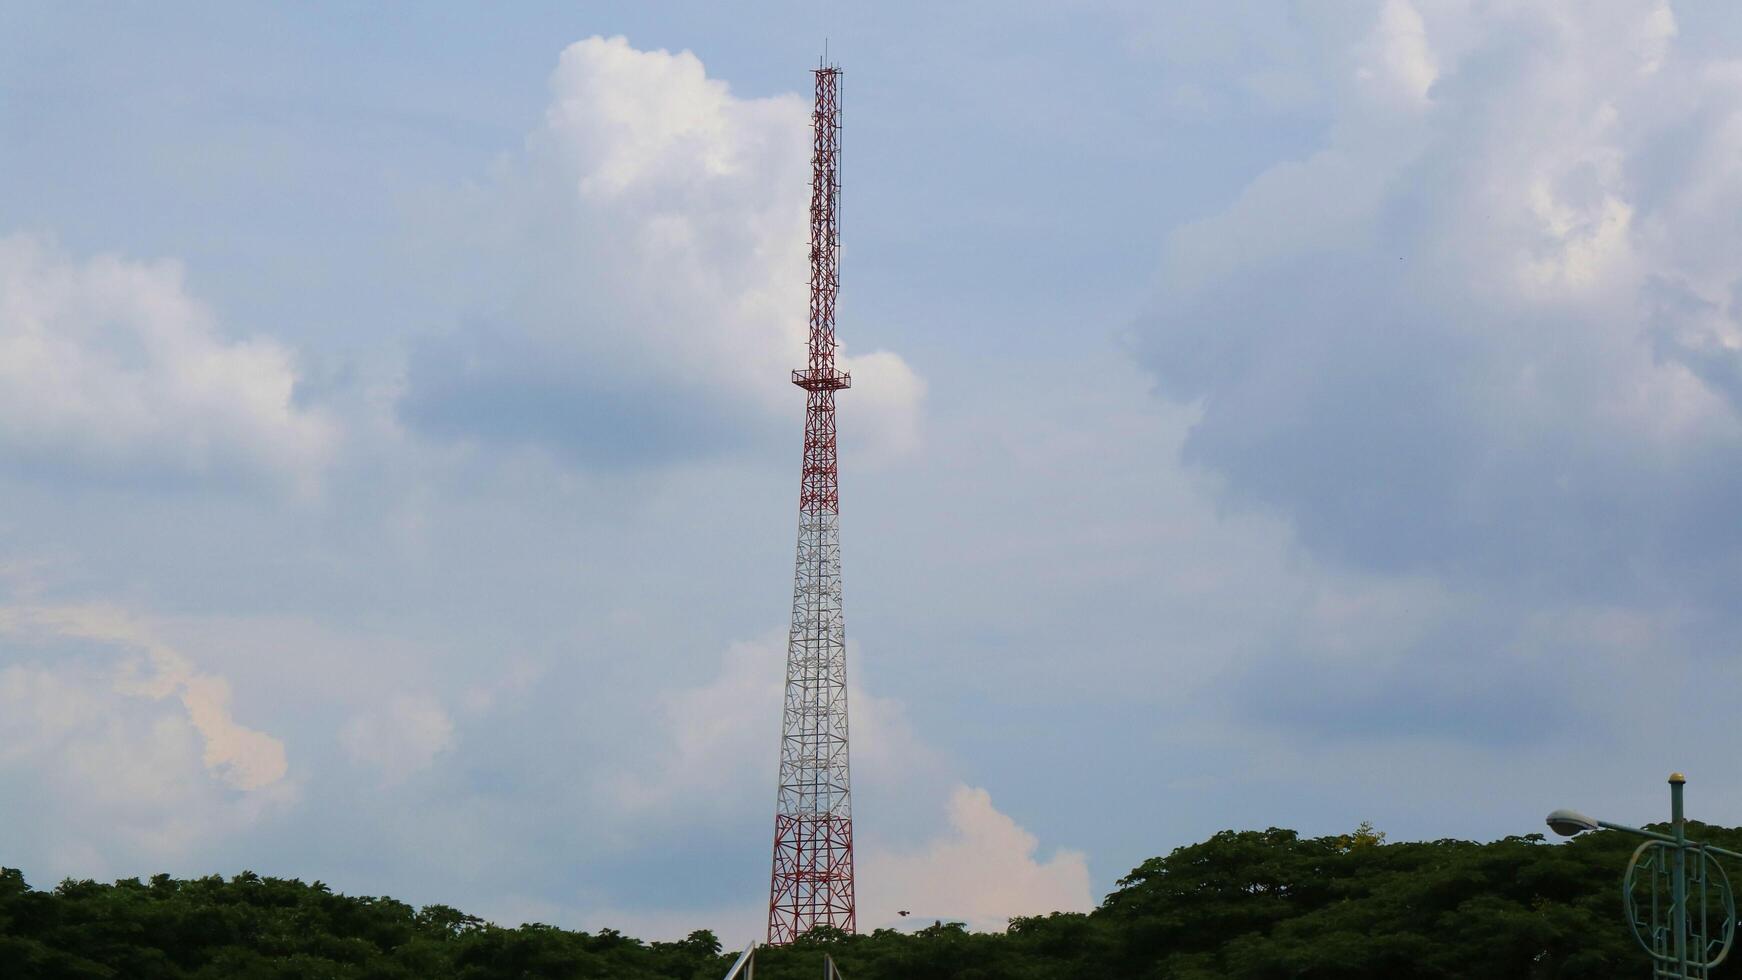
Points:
point(813, 813)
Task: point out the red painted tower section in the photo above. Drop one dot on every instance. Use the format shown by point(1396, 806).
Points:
point(813, 814)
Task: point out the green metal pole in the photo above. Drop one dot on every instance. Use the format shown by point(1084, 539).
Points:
point(1679, 884)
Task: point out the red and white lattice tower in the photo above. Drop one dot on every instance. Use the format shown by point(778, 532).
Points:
point(813, 814)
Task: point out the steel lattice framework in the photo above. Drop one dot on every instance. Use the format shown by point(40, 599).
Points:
point(813, 814)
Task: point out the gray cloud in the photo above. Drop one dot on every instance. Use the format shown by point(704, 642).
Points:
point(493, 386)
point(1699, 334)
point(1432, 343)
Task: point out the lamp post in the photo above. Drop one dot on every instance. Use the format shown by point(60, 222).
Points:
point(1675, 934)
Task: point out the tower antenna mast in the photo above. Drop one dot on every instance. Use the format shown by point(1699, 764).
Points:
point(813, 815)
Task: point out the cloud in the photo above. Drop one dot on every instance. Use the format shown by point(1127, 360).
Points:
point(983, 872)
point(400, 737)
point(635, 278)
point(1484, 331)
point(716, 734)
point(116, 782)
point(110, 370)
point(242, 757)
point(721, 740)
point(719, 757)
point(1398, 61)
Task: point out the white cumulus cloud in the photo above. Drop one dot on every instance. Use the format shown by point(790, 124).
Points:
point(242, 757)
point(718, 758)
point(1398, 62)
point(984, 871)
point(129, 755)
point(108, 367)
point(635, 279)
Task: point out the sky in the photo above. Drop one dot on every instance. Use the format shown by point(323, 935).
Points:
point(1264, 415)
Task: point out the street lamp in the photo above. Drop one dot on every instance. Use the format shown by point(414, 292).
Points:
point(1569, 822)
point(1673, 932)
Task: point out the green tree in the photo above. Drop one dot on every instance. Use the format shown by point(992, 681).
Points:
point(1242, 905)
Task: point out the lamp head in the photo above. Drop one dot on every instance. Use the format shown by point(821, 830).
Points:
point(1569, 822)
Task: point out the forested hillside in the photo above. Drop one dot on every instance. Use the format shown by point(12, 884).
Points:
point(1252, 905)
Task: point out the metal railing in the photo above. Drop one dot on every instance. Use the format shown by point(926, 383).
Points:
point(745, 966)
